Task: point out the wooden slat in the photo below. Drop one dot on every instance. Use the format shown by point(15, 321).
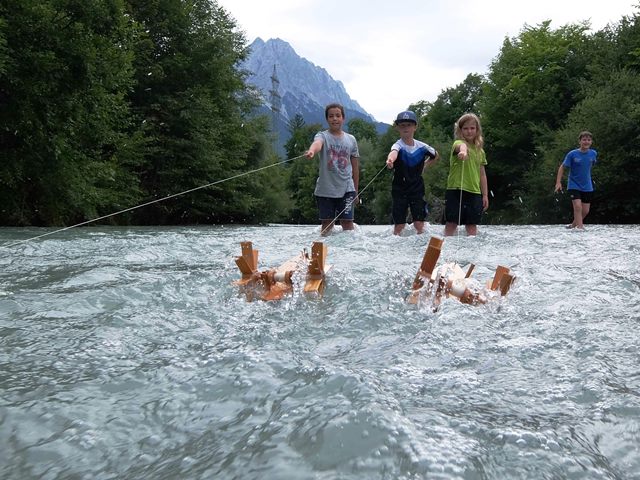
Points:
point(505, 283)
point(500, 271)
point(471, 267)
point(244, 266)
point(429, 261)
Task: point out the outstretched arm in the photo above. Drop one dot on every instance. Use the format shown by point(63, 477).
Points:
point(393, 154)
point(462, 151)
point(315, 147)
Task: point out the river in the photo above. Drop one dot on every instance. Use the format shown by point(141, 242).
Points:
point(129, 353)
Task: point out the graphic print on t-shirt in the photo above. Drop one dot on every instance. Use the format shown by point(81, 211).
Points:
point(338, 157)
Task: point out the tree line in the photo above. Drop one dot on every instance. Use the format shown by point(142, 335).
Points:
point(109, 104)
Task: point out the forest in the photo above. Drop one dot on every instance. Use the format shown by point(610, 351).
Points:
point(106, 105)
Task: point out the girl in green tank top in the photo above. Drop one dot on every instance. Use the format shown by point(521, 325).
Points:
point(467, 191)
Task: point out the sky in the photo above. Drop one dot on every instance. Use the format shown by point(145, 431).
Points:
point(389, 54)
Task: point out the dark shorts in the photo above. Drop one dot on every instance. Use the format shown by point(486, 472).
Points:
point(415, 203)
point(471, 212)
point(586, 197)
point(336, 208)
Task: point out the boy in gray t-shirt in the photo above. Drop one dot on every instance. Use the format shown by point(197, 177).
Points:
point(337, 183)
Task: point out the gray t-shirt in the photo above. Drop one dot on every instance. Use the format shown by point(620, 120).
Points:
point(335, 176)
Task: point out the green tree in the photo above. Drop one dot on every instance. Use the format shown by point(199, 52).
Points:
point(361, 129)
point(436, 128)
point(378, 197)
point(300, 136)
point(610, 111)
point(450, 104)
point(67, 142)
point(617, 47)
point(370, 166)
point(618, 136)
point(4, 53)
point(193, 104)
point(303, 172)
point(532, 85)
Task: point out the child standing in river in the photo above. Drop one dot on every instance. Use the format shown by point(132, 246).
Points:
point(409, 157)
point(579, 185)
point(337, 183)
point(467, 195)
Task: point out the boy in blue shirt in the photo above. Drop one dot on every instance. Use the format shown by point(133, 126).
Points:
point(579, 185)
point(408, 157)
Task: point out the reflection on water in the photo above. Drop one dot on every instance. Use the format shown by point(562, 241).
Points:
point(128, 353)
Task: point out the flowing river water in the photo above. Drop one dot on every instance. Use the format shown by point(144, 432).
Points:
point(128, 353)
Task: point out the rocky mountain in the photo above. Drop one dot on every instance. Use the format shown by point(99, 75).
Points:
point(292, 85)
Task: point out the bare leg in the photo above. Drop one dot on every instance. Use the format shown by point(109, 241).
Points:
point(450, 229)
point(471, 229)
point(419, 226)
point(347, 224)
point(585, 210)
point(326, 227)
point(397, 228)
point(577, 213)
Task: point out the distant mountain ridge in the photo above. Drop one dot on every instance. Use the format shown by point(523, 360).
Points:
point(300, 88)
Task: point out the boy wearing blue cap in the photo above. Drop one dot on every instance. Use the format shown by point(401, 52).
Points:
point(408, 158)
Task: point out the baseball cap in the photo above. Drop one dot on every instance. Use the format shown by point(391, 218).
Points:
point(407, 116)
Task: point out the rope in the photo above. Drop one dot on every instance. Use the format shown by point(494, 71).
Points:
point(460, 203)
point(152, 202)
point(354, 199)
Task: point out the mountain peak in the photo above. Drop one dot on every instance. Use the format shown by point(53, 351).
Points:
point(301, 84)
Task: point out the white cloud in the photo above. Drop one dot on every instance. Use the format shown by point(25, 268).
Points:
point(391, 54)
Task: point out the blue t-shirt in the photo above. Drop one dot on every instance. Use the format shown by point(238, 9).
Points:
point(580, 164)
point(408, 167)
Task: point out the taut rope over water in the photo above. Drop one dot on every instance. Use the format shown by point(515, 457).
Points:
point(152, 202)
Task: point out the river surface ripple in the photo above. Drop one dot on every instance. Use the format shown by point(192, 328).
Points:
point(129, 353)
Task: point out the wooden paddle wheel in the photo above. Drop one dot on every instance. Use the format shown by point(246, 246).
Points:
point(275, 283)
point(433, 284)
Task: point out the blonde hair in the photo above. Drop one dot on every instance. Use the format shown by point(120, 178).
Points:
point(457, 131)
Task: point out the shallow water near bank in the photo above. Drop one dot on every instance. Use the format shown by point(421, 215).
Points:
point(129, 353)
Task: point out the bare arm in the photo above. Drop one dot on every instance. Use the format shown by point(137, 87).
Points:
point(484, 188)
point(393, 154)
point(355, 171)
point(559, 178)
point(462, 151)
point(315, 147)
point(433, 160)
